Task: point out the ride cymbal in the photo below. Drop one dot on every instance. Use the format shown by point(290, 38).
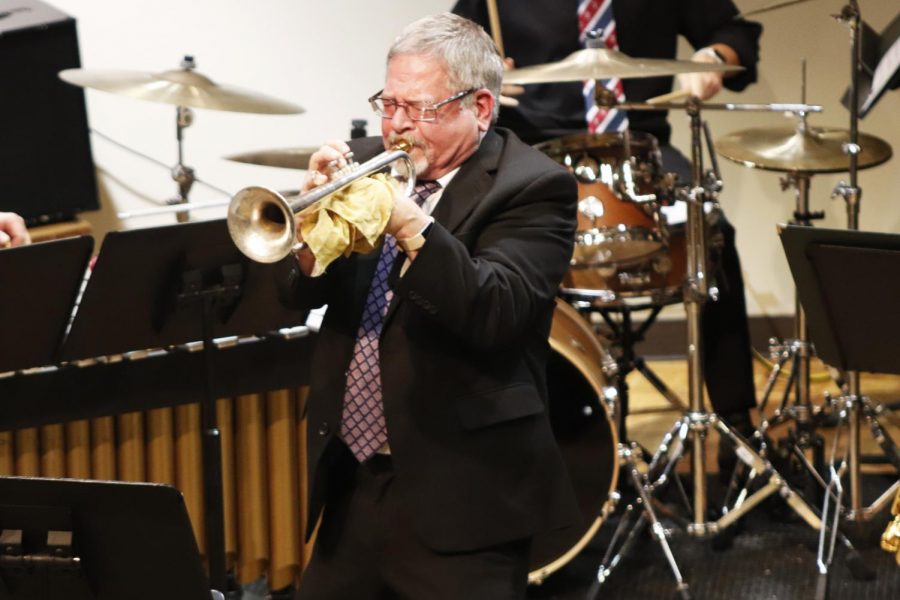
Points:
point(602, 63)
point(286, 158)
point(182, 87)
point(806, 150)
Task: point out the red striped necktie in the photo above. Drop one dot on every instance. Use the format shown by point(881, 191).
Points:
point(597, 15)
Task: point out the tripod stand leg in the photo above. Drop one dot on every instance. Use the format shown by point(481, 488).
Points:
point(794, 500)
point(658, 384)
point(773, 378)
point(658, 531)
point(646, 516)
point(882, 437)
point(670, 451)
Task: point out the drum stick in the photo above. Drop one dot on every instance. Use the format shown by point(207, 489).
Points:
point(494, 18)
point(671, 96)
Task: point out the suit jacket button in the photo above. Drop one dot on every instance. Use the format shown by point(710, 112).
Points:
point(324, 429)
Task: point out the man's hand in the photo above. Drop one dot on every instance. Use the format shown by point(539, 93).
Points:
point(508, 90)
point(12, 230)
point(407, 217)
point(708, 84)
point(324, 163)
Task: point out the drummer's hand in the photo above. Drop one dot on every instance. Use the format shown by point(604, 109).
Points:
point(508, 90)
point(701, 85)
point(324, 163)
point(707, 85)
point(12, 230)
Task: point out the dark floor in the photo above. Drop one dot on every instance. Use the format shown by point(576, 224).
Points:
point(772, 556)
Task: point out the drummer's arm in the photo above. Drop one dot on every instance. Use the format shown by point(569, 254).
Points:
point(714, 30)
point(706, 85)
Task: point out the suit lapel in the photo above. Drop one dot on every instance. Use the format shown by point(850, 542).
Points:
point(468, 187)
point(471, 183)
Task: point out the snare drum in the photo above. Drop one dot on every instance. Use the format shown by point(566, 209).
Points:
point(658, 277)
point(619, 179)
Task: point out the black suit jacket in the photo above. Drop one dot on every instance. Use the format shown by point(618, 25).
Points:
point(463, 353)
point(544, 31)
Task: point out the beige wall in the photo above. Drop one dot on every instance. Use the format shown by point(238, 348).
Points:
point(753, 199)
point(328, 57)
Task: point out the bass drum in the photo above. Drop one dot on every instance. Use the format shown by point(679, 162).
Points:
point(585, 433)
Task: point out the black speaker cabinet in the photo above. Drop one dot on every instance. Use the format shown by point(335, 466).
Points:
point(46, 168)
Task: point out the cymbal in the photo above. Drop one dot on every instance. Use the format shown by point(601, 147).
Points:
point(602, 63)
point(286, 158)
point(182, 87)
point(809, 150)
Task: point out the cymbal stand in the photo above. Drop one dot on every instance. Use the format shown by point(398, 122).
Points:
point(797, 351)
point(688, 434)
point(852, 406)
point(181, 173)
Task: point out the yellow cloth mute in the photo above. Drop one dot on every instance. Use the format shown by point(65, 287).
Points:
point(349, 220)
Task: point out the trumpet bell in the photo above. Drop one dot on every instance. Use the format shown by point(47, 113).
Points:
point(261, 223)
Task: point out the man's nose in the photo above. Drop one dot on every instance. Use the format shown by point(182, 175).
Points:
point(401, 121)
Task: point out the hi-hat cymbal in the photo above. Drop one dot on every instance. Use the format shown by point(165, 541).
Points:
point(182, 87)
point(807, 150)
point(602, 63)
point(286, 158)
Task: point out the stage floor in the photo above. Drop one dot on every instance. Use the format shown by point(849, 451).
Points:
point(772, 553)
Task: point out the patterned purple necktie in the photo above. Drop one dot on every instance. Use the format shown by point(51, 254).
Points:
point(363, 428)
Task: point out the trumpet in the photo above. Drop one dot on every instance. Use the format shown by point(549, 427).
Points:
point(261, 221)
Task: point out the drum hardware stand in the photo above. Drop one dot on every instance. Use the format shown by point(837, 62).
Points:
point(631, 457)
point(625, 336)
point(181, 173)
point(797, 351)
point(853, 406)
point(690, 431)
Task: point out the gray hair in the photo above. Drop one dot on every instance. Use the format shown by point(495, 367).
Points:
point(469, 53)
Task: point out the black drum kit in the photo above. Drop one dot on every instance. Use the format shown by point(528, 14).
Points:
point(627, 259)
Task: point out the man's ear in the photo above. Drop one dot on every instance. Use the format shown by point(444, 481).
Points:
point(484, 108)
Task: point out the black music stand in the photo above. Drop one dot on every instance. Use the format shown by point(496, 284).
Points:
point(879, 68)
point(40, 283)
point(165, 286)
point(132, 298)
point(847, 283)
point(96, 540)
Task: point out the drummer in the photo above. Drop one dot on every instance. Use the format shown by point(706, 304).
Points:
point(545, 31)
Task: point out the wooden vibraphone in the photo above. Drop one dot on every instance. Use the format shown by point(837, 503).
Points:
point(138, 420)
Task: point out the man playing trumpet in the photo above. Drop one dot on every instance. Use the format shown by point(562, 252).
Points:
point(430, 448)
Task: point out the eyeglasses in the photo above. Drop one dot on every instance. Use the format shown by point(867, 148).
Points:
point(416, 111)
